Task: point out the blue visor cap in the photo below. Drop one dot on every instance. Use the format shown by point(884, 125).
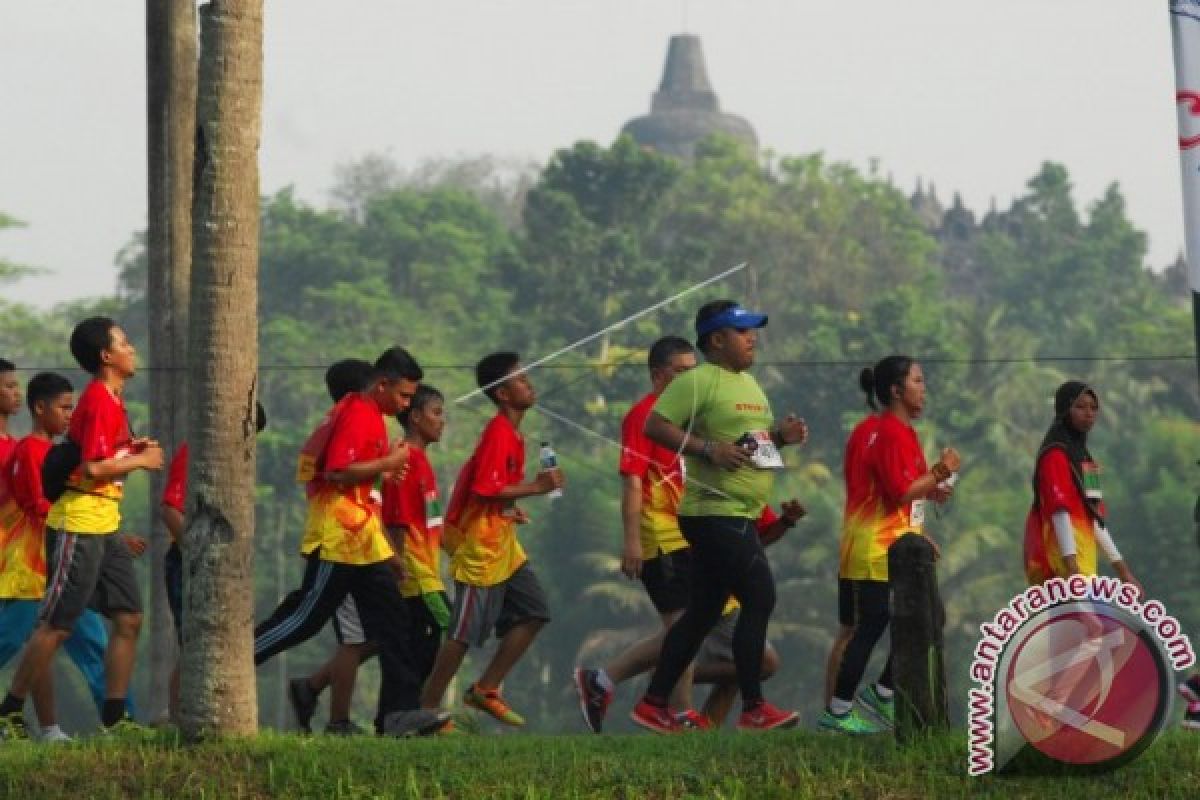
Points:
point(736, 317)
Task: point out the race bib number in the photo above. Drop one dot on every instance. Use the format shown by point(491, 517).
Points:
point(766, 454)
point(916, 514)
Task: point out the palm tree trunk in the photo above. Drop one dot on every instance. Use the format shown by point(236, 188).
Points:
point(218, 681)
point(171, 115)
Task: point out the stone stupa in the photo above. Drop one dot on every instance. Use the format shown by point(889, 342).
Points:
point(685, 108)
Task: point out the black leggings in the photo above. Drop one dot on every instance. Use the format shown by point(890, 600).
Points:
point(870, 616)
point(384, 614)
point(727, 558)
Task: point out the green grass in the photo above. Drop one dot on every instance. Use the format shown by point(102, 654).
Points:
point(796, 764)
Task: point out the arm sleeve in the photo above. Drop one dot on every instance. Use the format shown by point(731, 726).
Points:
point(491, 463)
point(1055, 486)
point(1106, 542)
point(766, 520)
point(27, 484)
point(636, 450)
point(347, 441)
point(891, 466)
point(99, 431)
point(1064, 532)
point(680, 401)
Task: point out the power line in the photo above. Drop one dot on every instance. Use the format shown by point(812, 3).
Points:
point(794, 363)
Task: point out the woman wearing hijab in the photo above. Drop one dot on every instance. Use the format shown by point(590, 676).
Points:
point(1066, 524)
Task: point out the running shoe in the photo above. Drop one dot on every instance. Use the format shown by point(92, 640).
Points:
point(1191, 720)
point(54, 733)
point(414, 722)
point(693, 720)
point(343, 727)
point(593, 698)
point(851, 723)
point(304, 702)
point(766, 717)
point(656, 718)
point(883, 709)
point(490, 702)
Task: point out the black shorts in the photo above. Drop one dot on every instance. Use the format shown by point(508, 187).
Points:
point(173, 578)
point(667, 578)
point(859, 598)
point(87, 570)
point(479, 610)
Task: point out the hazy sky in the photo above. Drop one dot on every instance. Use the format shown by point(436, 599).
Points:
point(969, 94)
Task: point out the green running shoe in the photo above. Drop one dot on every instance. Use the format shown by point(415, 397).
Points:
point(851, 723)
point(883, 709)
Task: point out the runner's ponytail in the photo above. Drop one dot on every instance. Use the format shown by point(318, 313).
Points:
point(866, 382)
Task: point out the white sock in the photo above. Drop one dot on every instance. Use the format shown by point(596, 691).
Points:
point(883, 691)
point(840, 707)
point(606, 683)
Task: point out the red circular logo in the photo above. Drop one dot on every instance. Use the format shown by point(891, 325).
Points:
point(1084, 688)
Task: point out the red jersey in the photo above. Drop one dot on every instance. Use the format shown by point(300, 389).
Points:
point(1058, 491)
point(23, 521)
point(661, 471)
point(7, 445)
point(100, 428)
point(481, 532)
point(175, 491)
point(343, 520)
point(882, 463)
point(413, 503)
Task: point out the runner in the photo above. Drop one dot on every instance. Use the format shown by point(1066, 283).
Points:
point(1067, 519)
point(890, 503)
point(719, 417)
point(714, 663)
point(654, 550)
point(347, 550)
point(495, 588)
point(857, 478)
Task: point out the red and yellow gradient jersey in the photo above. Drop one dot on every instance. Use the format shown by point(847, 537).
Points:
point(1057, 490)
point(661, 472)
point(882, 463)
point(100, 428)
point(343, 520)
point(175, 491)
point(23, 522)
point(481, 532)
point(413, 503)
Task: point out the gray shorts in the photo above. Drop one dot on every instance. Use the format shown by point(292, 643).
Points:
point(718, 645)
point(347, 625)
point(87, 570)
point(478, 610)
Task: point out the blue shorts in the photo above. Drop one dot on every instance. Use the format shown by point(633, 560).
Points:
point(85, 645)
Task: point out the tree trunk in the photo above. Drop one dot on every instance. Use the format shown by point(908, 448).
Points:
point(171, 123)
point(918, 663)
point(218, 681)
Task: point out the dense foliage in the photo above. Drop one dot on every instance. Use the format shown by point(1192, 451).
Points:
point(465, 261)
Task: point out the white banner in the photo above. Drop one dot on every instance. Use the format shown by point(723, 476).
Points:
point(1185, 35)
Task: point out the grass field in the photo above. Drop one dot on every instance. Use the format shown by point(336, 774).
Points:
point(793, 764)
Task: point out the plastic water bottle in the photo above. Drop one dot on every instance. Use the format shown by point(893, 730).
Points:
point(549, 460)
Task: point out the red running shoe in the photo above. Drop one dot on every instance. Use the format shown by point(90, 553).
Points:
point(766, 717)
point(656, 718)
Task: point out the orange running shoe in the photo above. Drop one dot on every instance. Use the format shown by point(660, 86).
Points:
point(490, 702)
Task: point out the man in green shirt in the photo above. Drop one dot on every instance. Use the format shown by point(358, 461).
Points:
point(719, 418)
